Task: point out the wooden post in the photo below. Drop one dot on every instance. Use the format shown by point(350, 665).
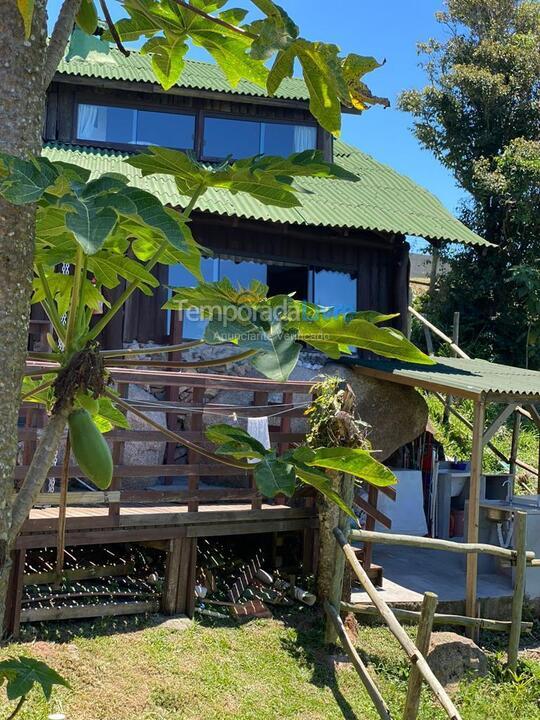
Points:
point(172, 573)
point(15, 593)
point(455, 338)
point(356, 660)
point(474, 508)
point(194, 457)
point(336, 588)
point(520, 544)
point(415, 657)
point(515, 446)
point(423, 637)
point(62, 513)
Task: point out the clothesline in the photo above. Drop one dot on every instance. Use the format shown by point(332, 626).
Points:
point(214, 410)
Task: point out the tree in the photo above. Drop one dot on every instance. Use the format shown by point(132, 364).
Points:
point(53, 213)
point(480, 116)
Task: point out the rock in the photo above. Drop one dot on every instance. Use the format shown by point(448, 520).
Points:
point(397, 414)
point(452, 656)
point(143, 453)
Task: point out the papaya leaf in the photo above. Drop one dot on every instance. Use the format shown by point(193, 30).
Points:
point(354, 461)
point(109, 416)
point(168, 58)
point(221, 434)
point(87, 17)
point(23, 673)
point(332, 334)
point(266, 178)
point(274, 476)
point(322, 483)
point(25, 181)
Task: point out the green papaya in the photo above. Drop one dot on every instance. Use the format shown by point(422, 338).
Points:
point(90, 449)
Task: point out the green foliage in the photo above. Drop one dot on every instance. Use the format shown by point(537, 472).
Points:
point(242, 49)
point(22, 673)
point(274, 327)
point(87, 17)
point(266, 178)
point(275, 475)
point(479, 115)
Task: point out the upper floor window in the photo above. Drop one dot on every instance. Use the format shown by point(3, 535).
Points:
point(129, 126)
point(243, 138)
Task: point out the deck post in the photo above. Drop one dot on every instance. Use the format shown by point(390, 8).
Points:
point(172, 574)
point(520, 544)
point(423, 638)
point(474, 508)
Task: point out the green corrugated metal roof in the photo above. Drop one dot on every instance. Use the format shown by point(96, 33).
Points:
point(463, 378)
point(382, 200)
point(196, 75)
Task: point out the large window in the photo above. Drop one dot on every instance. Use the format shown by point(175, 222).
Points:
point(331, 289)
point(243, 138)
point(129, 126)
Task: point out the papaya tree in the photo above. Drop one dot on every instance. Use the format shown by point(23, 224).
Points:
point(109, 231)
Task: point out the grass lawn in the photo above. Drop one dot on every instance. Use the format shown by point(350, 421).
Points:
point(262, 670)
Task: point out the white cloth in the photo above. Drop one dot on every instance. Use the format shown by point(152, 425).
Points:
point(407, 512)
point(257, 427)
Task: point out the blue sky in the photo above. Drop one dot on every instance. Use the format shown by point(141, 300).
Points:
point(387, 30)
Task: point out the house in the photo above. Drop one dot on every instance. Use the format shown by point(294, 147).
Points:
point(344, 247)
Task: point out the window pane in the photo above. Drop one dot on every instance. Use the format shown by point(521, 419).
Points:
point(192, 326)
point(242, 273)
point(285, 279)
point(336, 290)
point(280, 139)
point(106, 124)
point(239, 138)
point(167, 129)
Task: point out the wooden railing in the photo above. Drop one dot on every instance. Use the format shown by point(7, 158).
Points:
point(189, 406)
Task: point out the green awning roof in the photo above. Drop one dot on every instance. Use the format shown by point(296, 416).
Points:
point(383, 200)
point(470, 378)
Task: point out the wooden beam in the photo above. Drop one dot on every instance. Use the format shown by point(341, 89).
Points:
point(413, 654)
point(412, 616)
point(370, 685)
point(520, 543)
point(434, 329)
point(501, 418)
point(85, 573)
point(474, 507)
point(75, 612)
point(423, 638)
point(383, 538)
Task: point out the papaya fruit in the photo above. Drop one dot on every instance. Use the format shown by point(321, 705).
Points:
point(90, 448)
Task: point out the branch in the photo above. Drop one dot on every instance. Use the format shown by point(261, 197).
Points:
point(151, 350)
point(37, 472)
point(59, 38)
point(216, 20)
point(112, 28)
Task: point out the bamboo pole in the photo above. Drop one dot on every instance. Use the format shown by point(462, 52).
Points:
point(423, 637)
point(414, 655)
point(412, 616)
point(436, 544)
point(458, 351)
point(369, 684)
point(471, 586)
point(520, 540)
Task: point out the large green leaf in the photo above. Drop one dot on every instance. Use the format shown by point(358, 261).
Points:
point(267, 179)
point(91, 225)
point(222, 434)
point(353, 461)
point(25, 181)
point(168, 59)
point(322, 483)
point(23, 673)
point(332, 335)
point(274, 476)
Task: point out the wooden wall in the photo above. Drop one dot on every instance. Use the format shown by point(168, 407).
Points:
point(379, 260)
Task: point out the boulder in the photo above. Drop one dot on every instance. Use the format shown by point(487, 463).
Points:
point(397, 414)
point(452, 656)
point(143, 453)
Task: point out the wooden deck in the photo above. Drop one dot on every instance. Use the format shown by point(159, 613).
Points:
point(95, 525)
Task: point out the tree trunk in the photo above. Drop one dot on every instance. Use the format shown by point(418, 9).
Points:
point(22, 102)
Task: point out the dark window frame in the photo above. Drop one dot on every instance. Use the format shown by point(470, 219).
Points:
point(124, 103)
point(243, 118)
